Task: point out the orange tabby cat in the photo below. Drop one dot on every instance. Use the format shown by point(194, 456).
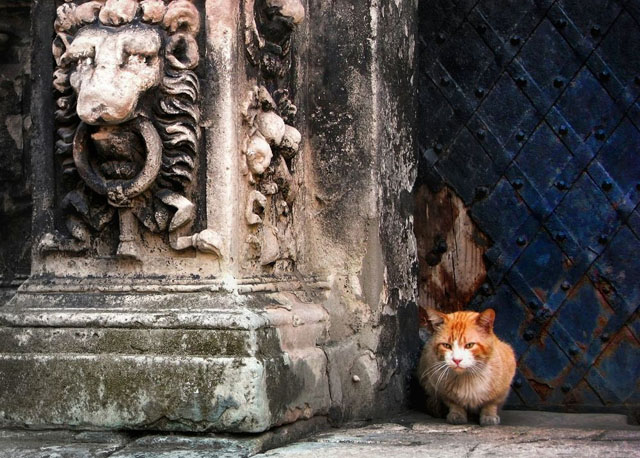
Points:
point(465, 366)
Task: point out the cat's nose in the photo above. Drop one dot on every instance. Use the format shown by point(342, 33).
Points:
point(457, 361)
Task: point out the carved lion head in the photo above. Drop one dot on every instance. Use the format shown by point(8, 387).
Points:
point(128, 63)
point(113, 52)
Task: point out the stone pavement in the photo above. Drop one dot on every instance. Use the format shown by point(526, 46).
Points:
point(523, 434)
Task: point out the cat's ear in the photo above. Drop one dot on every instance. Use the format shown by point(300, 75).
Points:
point(485, 319)
point(435, 318)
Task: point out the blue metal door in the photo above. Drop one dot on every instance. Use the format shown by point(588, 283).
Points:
point(529, 113)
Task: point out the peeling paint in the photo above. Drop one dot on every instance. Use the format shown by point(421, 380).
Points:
point(451, 250)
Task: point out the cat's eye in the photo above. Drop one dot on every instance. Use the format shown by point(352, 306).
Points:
point(446, 345)
point(470, 345)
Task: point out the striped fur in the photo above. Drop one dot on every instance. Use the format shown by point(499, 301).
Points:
point(465, 366)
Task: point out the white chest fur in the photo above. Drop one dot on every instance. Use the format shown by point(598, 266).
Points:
point(470, 391)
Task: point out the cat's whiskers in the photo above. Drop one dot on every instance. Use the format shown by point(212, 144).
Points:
point(478, 372)
point(432, 371)
point(479, 367)
point(441, 374)
point(433, 368)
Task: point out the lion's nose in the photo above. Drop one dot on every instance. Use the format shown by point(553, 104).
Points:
point(107, 97)
point(99, 109)
point(90, 113)
point(94, 109)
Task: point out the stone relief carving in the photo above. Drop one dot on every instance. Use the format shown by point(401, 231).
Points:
point(271, 141)
point(127, 122)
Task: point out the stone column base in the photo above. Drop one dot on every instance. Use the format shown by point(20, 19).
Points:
point(169, 361)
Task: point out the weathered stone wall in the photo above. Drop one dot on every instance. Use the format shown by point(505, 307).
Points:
point(397, 149)
point(15, 192)
point(360, 160)
point(346, 332)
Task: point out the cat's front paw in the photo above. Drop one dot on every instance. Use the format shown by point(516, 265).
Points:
point(456, 418)
point(489, 420)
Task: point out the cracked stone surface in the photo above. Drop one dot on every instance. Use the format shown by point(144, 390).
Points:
point(522, 434)
point(101, 444)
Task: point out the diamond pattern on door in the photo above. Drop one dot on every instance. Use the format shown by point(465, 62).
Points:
point(529, 111)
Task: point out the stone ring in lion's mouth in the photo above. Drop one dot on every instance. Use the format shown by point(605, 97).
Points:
point(120, 190)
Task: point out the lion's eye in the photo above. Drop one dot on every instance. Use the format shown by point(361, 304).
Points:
point(135, 59)
point(470, 345)
point(138, 59)
point(86, 61)
point(446, 345)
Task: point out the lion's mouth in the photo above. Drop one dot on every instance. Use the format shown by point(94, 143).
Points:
point(119, 170)
point(118, 152)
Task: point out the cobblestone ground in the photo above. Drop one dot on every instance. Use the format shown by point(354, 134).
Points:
point(523, 434)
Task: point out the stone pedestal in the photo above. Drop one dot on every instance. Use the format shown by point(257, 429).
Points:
point(203, 360)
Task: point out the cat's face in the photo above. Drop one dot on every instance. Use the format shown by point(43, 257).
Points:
point(463, 340)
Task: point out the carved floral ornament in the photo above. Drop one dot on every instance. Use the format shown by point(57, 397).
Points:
point(127, 121)
point(271, 140)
